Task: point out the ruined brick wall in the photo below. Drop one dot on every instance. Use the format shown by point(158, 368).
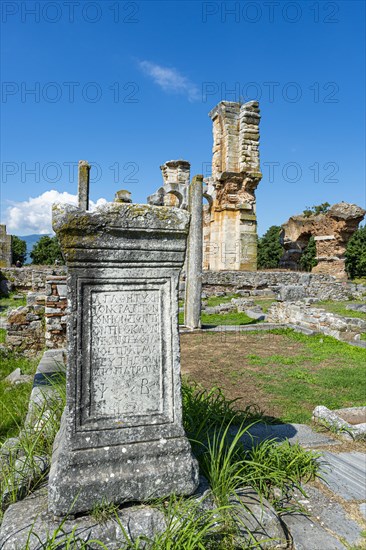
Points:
point(319, 286)
point(173, 192)
point(26, 327)
point(31, 278)
point(331, 232)
point(55, 312)
point(42, 322)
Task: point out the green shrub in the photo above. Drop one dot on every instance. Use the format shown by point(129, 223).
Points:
point(356, 254)
point(270, 250)
point(18, 249)
point(46, 251)
point(308, 257)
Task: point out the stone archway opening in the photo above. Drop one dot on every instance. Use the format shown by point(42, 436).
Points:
point(173, 198)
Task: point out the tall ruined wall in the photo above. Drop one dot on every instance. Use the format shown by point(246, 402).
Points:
point(230, 223)
point(5, 248)
point(331, 231)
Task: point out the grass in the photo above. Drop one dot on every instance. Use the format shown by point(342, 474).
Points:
point(103, 511)
point(293, 382)
point(209, 419)
point(216, 319)
point(265, 303)
point(360, 281)
point(339, 308)
point(10, 303)
point(26, 466)
point(232, 318)
point(14, 398)
point(2, 336)
point(285, 373)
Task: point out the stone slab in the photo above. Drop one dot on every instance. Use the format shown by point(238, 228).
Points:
point(31, 514)
point(294, 433)
point(345, 474)
point(308, 535)
point(256, 520)
point(331, 515)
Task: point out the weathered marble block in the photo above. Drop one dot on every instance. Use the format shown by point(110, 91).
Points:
point(121, 436)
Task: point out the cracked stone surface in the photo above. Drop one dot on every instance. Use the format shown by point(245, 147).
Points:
point(345, 474)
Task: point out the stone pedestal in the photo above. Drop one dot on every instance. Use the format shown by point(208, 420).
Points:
point(122, 437)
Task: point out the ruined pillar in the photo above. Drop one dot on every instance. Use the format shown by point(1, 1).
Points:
point(193, 290)
point(235, 176)
point(83, 184)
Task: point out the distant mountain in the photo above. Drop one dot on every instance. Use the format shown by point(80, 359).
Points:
point(31, 240)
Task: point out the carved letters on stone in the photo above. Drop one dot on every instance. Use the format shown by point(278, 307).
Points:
point(127, 358)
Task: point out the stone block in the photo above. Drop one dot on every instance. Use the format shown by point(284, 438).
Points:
point(62, 290)
point(292, 293)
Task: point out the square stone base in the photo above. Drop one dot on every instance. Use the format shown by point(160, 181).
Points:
point(121, 473)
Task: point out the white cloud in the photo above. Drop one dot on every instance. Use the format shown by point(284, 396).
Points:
point(35, 214)
point(170, 80)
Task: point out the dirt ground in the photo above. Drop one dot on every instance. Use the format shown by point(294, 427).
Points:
point(221, 360)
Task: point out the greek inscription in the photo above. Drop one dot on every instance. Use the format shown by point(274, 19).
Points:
point(126, 353)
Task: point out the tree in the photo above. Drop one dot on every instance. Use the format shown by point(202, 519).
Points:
point(270, 250)
point(308, 257)
point(46, 251)
point(356, 254)
point(18, 249)
point(316, 209)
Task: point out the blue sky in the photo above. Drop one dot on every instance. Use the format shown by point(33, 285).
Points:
point(128, 86)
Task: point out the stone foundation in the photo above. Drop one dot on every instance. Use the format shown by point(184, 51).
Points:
point(31, 278)
point(343, 328)
point(318, 286)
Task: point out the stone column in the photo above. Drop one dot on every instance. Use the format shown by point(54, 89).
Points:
point(83, 185)
point(121, 437)
point(192, 305)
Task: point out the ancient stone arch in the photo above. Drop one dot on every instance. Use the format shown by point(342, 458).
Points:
point(331, 231)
